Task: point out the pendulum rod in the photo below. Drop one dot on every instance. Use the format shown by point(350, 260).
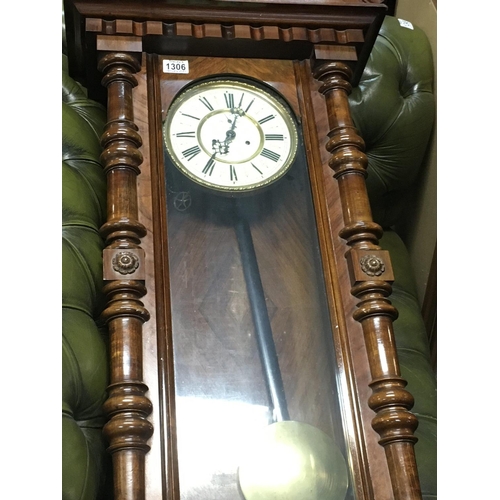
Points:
point(263, 474)
point(262, 324)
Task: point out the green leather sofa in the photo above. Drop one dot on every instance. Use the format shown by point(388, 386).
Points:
point(393, 109)
point(84, 349)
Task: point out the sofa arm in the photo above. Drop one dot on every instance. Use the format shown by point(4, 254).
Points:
point(84, 346)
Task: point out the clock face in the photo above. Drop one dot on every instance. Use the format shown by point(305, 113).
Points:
point(230, 135)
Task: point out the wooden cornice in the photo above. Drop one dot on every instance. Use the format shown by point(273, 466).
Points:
point(349, 13)
point(282, 29)
point(227, 32)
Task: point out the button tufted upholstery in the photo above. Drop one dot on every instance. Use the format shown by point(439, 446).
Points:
point(393, 108)
point(84, 355)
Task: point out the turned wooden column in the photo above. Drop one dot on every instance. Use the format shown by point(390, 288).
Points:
point(371, 277)
point(128, 429)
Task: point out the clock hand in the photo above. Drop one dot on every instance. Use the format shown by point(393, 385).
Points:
point(219, 147)
point(236, 111)
point(231, 134)
point(223, 146)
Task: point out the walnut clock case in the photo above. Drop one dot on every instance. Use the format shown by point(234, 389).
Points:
point(252, 353)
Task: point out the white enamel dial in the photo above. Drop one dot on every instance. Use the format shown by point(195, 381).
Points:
point(229, 135)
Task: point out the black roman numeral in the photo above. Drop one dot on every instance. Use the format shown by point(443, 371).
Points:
point(229, 100)
point(204, 100)
point(271, 155)
point(274, 137)
point(248, 107)
point(266, 119)
point(232, 173)
point(256, 169)
point(189, 116)
point(185, 134)
point(209, 167)
point(190, 153)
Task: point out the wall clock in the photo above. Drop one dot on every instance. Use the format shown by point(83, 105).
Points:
point(255, 329)
point(227, 145)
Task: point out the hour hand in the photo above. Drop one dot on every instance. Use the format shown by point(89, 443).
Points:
point(223, 146)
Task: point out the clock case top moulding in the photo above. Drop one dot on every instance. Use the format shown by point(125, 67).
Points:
point(325, 29)
point(326, 44)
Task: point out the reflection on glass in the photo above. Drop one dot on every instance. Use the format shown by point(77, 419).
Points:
point(231, 415)
point(213, 435)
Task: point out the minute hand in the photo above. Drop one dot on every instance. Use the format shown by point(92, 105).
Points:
point(231, 134)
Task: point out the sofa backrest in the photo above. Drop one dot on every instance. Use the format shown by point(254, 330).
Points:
point(84, 343)
point(393, 108)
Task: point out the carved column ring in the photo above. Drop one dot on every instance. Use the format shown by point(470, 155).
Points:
point(122, 154)
point(119, 74)
point(395, 425)
point(346, 162)
point(370, 230)
point(123, 228)
point(334, 75)
point(366, 287)
point(128, 430)
point(118, 59)
point(125, 309)
point(335, 82)
point(129, 402)
point(345, 136)
point(121, 131)
point(332, 67)
point(394, 396)
point(374, 307)
point(133, 287)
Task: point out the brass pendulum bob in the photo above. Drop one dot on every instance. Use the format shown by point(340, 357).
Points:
point(288, 460)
